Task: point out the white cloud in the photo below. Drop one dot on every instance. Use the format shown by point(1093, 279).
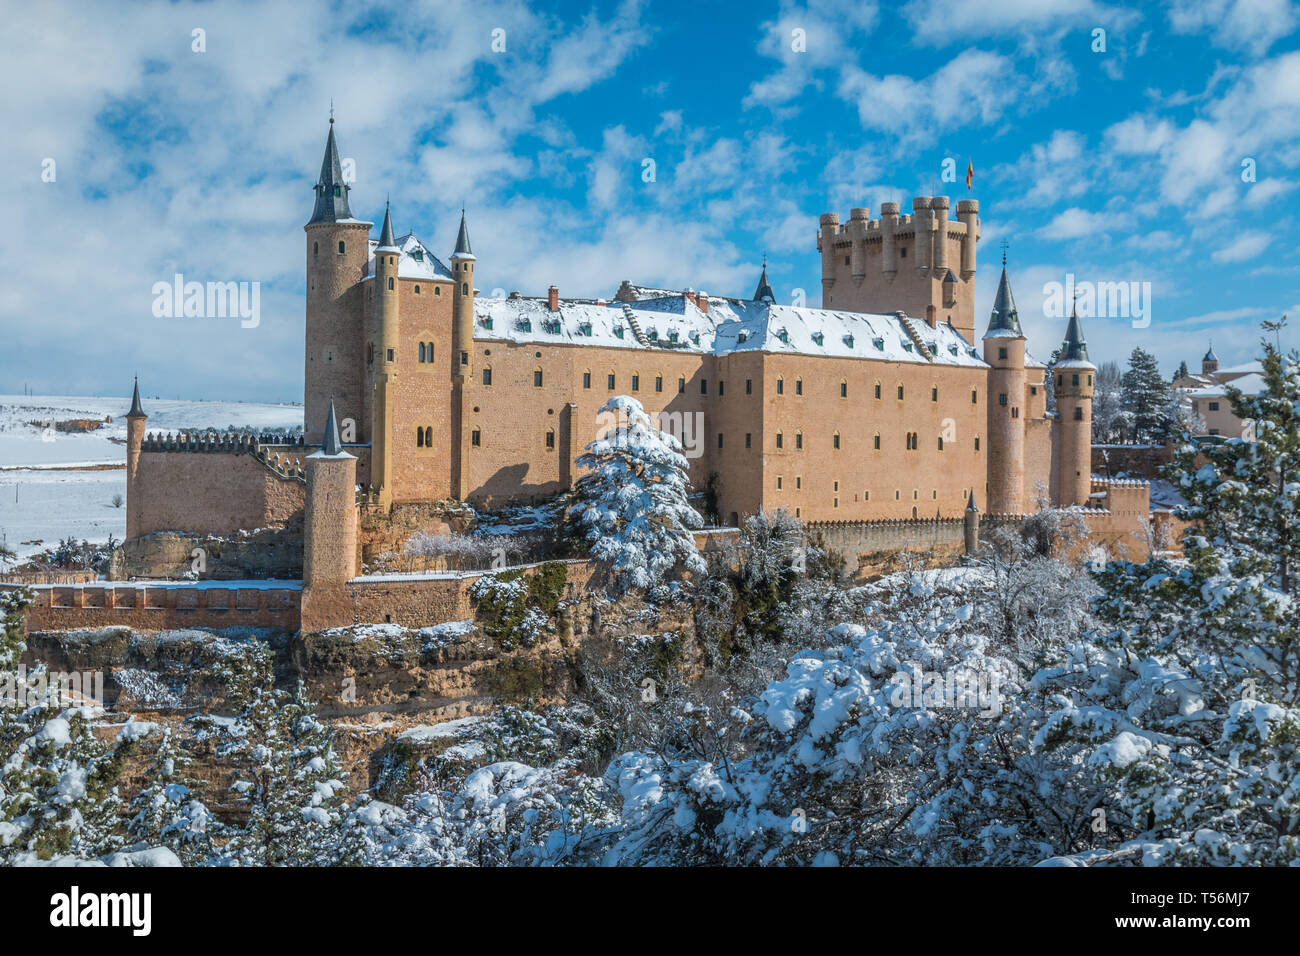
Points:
point(1252, 25)
point(1076, 223)
point(1245, 246)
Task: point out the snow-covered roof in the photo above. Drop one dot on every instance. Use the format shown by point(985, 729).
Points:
point(1248, 384)
point(416, 261)
point(672, 321)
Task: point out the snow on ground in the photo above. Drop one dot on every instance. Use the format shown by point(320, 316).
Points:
point(46, 490)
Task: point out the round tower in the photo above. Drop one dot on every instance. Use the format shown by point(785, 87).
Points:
point(338, 248)
point(1072, 381)
point(387, 311)
point(462, 306)
point(329, 536)
point(135, 422)
point(1004, 352)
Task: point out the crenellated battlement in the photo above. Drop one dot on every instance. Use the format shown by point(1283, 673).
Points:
point(259, 447)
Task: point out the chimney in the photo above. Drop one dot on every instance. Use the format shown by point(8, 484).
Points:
point(930, 317)
point(702, 302)
point(553, 298)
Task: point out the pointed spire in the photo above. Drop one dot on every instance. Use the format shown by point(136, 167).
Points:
point(462, 240)
point(1074, 348)
point(331, 445)
point(136, 411)
point(387, 242)
point(1004, 321)
point(331, 190)
point(764, 291)
point(971, 506)
point(1210, 356)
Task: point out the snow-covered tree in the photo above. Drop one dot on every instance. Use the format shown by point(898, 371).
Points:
point(167, 811)
point(286, 774)
point(1146, 398)
point(1108, 421)
point(631, 505)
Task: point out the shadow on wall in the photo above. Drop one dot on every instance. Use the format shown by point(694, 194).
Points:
point(508, 486)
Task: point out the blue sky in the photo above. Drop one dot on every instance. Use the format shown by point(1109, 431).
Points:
point(1122, 165)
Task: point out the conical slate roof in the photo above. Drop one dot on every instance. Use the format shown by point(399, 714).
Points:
point(331, 190)
point(1210, 356)
point(1074, 348)
point(387, 241)
point(136, 411)
point(1004, 321)
point(764, 291)
point(462, 241)
point(971, 506)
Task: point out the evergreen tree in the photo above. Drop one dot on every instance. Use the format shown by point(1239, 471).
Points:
point(168, 812)
point(286, 774)
point(631, 506)
point(1182, 372)
point(1146, 398)
point(1107, 405)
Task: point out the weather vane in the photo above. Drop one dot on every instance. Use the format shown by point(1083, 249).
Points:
point(1005, 243)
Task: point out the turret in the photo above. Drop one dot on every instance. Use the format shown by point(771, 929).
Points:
point(462, 306)
point(135, 423)
point(939, 260)
point(968, 211)
point(338, 248)
point(888, 244)
point(1073, 383)
point(764, 293)
point(828, 229)
point(971, 525)
point(329, 545)
point(1004, 351)
point(387, 311)
point(923, 224)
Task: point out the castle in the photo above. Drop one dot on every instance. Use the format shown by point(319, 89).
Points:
point(881, 406)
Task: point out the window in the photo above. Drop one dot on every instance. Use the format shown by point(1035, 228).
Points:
point(866, 496)
point(977, 442)
point(1002, 399)
point(780, 440)
point(835, 441)
point(550, 438)
point(464, 288)
point(902, 252)
point(1089, 379)
point(704, 386)
point(875, 441)
point(719, 441)
point(844, 389)
point(636, 382)
point(610, 381)
point(464, 358)
point(586, 380)
point(421, 351)
point(798, 386)
point(1002, 352)
point(390, 283)
point(749, 436)
point(681, 385)
point(721, 387)
point(798, 441)
point(419, 438)
point(974, 397)
point(390, 355)
point(877, 390)
point(1033, 389)
point(659, 383)
point(1214, 406)
point(778, 482)
point(537, 378)
point(749, 386)
point(780, 386)
point(1078, 414)
point(487, 375)
point(934, 394)
point(941, 443)
point(437, 290)
point(900, 393)
point(798, 483)
point(1074, 379)
point(341, 247)
point(475, 438)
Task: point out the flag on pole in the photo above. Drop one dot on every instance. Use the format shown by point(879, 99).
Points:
point(970, 174)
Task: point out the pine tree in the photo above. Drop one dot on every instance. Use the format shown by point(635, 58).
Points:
point(1146, 398)
point(1107, 405)
point(631, 506)
point(1182, 372)
point(286, 774)
point(168, 811)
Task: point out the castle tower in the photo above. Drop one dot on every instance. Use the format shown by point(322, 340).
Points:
point(763, 292)
point(387, 307)
point(1004, 351)
point(1210, 364)
point(971, 525)
point(338, 248)
point(329, 544)
point(462, 352)
point(1073, 385)
point(135, 422)
point(903, 263)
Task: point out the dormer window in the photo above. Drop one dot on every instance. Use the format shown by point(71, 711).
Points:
point(848, 340)
point(819, 337)
point(743, 336)
point(487, 323)
point(907, 346)
point(695, 337)
point(879, 343)
point(525, 325)
point(618, 332)
point(654, 335)
point(585, 329)
point(674, 335)
point(784, 336)
point(418, 255)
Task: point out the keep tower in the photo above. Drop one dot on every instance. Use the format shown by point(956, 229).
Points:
point(338, 248)
point(1072, 380)
point(1004, 352)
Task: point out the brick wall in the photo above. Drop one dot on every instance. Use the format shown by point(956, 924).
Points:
point(161, 607)
point(212, 492)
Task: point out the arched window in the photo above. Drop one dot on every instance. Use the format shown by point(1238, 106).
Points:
point(900, 391)
point(835, 441)
point(428, 437)
point(429, 350)
point(390, 282)
point(487, 374)
point(421, 351)
point(417, 290)
point(875, 441)
point(941, 443)
point(315, 249)
point(877, 392)
point(550, 438)
point(437, 290)
point(537, 378)
point(798, 441)
point(464, 288)
point(780, 386)
point(934, 393)
point(636, 381)
point(419, 438)
point(844, 389)
point(798, 386)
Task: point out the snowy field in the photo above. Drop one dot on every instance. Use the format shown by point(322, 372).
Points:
point(54, 484)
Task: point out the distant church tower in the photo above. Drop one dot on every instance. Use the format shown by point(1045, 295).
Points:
point(1210, 364)
point(1004, 352)
point(338, 247)
point(462, 353)
point(1074, 387)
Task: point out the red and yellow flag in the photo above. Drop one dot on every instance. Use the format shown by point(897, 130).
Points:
point(970, 174)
